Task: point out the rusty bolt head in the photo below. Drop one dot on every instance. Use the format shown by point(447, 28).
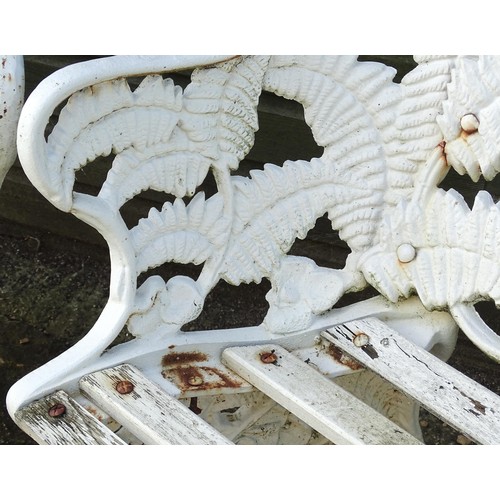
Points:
point(195, 380)
point(124, 386)
point(268, 357)
point(361, 339)
point(57, 410)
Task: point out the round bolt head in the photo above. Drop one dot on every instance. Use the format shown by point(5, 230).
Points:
point(268, 357)
point(124, 386)
point(469, 123)
point(57, 410)
point(361, 339)
point(195, 380)
point(406, 252)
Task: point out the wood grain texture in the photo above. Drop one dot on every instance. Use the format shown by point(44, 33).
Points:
point(444, 391)
point(317, 401)
point(75, 427)
point(147, 411)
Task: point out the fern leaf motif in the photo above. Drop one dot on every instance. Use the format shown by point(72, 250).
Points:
point(351, 109)
point(424, 90)
point(470, 121)
point(166, 167)
point(180, 233)
point(220, 109)
point(447, 265)
point(109, 117)
point(279, 204)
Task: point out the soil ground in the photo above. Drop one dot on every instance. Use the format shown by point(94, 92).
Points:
point(52, 291)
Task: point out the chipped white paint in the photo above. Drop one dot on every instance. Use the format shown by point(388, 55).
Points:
point(387, 147)
point(444, 391)
point(322, 404)
point(74, 426)
point(147, 412)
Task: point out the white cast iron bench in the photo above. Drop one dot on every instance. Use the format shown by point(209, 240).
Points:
point(311, 373)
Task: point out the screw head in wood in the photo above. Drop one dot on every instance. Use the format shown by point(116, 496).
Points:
point(361, 339)
point(195, 380)
point(268, 357)
point(57, 410)
point(124, 386)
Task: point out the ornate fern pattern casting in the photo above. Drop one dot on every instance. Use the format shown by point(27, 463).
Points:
point(386, 148)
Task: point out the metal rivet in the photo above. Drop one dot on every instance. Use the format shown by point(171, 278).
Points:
point(124, 386)
point(469, 123)
point(406, 252)
point(58, 410)
point(361, 339)
point(195, 380)
point(385, 342)
point(268, 357)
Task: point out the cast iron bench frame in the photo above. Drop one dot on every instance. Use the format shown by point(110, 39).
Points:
point(355, 374)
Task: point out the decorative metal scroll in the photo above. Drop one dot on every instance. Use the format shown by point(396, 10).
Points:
point(387, 146)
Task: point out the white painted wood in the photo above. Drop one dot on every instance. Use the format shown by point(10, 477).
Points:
point(319, 402)
point(444, 391)
point(147, 411)
point(75, 427)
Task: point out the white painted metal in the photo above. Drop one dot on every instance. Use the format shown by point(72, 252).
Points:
point(456, 399)
point(387, 147)
point(74, 426)
point(322, 404)
point(148, 412)
point(11, 102)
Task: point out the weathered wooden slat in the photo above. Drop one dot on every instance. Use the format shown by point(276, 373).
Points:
point(444, 391)
point(147, 412)
point(319, 402)
point(70, 425)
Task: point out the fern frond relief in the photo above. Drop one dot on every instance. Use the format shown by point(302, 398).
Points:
point(167, 167)
point(423, 91)
point(470, 121)
point(279, 204)
point(455, 251)
point(220, 113)
point(180, 233)
point(110, 117)
point(352, 108)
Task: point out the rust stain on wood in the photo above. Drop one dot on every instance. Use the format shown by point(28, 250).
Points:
point(206, 377)
point(190, 371)
point(341, 357)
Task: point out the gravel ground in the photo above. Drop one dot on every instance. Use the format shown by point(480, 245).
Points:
point(52, 293)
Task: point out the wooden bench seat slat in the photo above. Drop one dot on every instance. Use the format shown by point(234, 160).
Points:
point(444, 391)
point(148, 412)
point(75, 426)
point(316, 400)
